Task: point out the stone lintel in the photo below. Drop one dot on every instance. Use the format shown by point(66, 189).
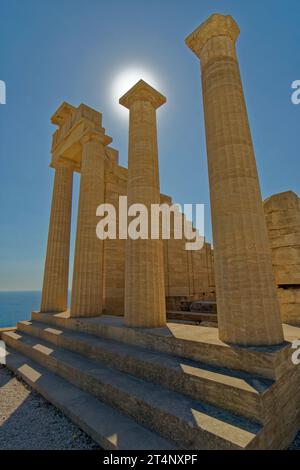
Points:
point(142, 91)
point(76, 125)
point(215, 25)
point(96, 135)
point(62, 113)
point(69, 152)
point(73, 121)
point(90, 114)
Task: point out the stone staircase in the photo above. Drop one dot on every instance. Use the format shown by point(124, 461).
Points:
point(129, 391)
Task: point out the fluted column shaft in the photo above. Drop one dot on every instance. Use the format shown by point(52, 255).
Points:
point(248, 310)
point(87, 286)
point(55, 285)
point(144, 275)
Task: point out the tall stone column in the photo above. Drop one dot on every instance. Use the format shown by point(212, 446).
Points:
point(87, 287)
point(55, 285)
point(144, 275)
point(248, 310)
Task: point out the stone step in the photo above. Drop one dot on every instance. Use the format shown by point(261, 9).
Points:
point(187, 423)
point(237, 392)
point(111, 429)
point(188, 341)
point(196, 317)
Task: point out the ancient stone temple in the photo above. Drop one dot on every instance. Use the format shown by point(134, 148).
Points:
point(80, 145)
point(112, 363)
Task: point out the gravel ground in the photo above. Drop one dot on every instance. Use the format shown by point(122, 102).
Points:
point(28, 421)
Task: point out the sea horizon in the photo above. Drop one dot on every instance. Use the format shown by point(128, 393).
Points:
point(21, 290)
point(17, 305)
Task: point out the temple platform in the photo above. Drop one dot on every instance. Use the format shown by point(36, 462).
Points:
point(196, 318)
point(172, 387)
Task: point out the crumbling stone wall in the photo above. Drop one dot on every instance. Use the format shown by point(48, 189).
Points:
point(189, 275)
point(283, 221)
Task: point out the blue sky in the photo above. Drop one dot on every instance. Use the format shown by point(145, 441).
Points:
point(73, 50)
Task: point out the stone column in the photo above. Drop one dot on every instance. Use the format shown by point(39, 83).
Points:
point(248, 310)
point(87, 287)
point(144, 278)
point(55, 285)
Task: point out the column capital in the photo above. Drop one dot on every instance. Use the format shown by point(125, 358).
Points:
point(215, 25)
point(96, 136)
point(57, 164)
point(141, 91)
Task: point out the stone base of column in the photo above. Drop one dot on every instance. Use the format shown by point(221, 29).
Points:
point(145, 304)
point(252, 402)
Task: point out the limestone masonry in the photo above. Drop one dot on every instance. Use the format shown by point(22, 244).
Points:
point(283, 222)
point(112, 362)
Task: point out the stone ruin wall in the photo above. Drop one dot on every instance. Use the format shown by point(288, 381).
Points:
point(283, 222)
point(189, 275)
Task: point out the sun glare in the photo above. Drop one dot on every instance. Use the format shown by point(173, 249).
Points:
point(125, 80)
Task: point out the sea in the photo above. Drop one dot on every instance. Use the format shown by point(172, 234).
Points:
point(16, 306)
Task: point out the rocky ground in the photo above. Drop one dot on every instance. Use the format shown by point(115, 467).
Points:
point(28, 421)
